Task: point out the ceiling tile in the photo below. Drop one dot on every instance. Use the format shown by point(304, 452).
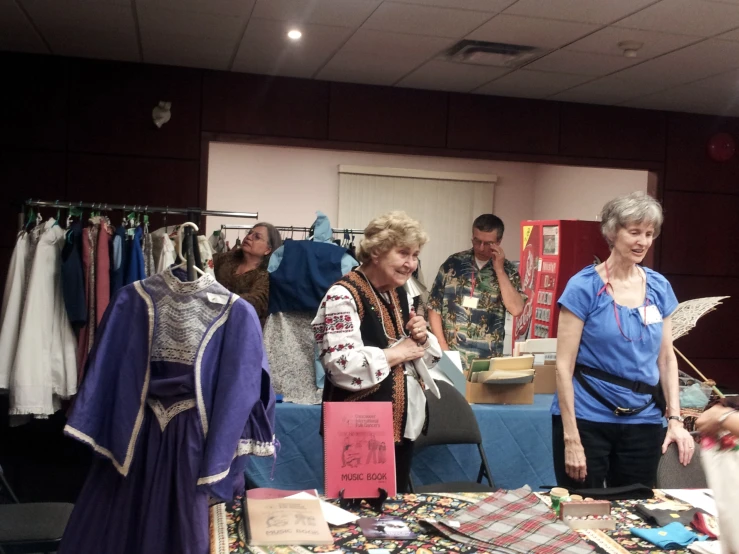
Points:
point(188, 38)
point(688, 17)
point(544, 33)
point(492, 6)
point(376, 57)
point(343, 13)
point(607, 91)
point(714, 95)
point(606, 41)
point(395, 44)
point(586, 11)
point(531, 84)
point(193, 56)
point(581, 63)
point(364, 69)
point(693, 63)
point(457, 77)
point(241, 8)
point(16, 32)
point(731, 35)
point(91, 29)
point(424, 20)
point(183, 25)
point(266, 49)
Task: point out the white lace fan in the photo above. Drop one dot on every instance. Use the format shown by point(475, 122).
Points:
point(685, 317)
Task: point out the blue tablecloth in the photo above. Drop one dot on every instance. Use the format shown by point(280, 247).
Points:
point(517, 441)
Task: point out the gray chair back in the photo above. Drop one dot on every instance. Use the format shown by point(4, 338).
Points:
point(671, 474)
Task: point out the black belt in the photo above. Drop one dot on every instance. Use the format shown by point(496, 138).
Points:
point(635, 386)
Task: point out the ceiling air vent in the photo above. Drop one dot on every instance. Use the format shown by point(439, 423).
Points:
point(492, 53)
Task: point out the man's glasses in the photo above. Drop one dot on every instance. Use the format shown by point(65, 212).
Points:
point(488, 244)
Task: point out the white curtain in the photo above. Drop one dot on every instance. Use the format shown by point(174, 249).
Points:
point(445, 203)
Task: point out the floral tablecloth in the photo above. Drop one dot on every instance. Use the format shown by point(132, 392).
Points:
point(228, 535)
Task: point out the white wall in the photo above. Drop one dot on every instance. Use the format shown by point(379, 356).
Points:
point(287, 185)
point(564, 192)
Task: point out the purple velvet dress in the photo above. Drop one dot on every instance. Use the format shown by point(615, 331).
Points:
point(177, 392)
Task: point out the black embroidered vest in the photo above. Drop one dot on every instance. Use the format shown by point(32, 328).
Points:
point(369, 304)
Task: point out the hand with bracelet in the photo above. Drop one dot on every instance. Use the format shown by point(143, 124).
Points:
point(716, 419)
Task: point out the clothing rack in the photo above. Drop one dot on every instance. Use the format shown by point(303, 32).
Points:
point(296, 229)
point(102, 206)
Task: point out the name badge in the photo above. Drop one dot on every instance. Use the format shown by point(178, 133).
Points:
point(217, 298)
point(470, 302)
point(651, 315)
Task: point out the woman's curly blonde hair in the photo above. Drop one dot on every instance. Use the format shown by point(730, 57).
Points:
point(388, 231)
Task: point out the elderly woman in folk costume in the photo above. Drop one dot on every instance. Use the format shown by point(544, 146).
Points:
point(373, 346)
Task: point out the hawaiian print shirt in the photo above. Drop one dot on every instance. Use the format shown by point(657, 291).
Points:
point(479, 332)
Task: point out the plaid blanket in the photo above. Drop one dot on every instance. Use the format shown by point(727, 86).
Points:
point(511, 522)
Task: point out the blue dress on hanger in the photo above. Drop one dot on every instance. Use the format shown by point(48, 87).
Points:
point(177, 393)
point(135, 268)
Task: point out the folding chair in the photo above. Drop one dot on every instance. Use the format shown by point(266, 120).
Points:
point(452, 421)
point(30, 527)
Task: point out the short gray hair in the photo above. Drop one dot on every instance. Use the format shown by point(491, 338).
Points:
point(629, 209)
point(389, 230)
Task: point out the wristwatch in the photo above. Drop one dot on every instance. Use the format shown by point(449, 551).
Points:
point(676, 417)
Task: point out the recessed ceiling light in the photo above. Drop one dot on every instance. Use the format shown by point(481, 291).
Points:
point(294, 34)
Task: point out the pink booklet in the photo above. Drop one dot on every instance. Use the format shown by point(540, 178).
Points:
point(358, 449)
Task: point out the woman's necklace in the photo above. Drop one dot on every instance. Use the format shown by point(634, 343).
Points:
point(379, 305)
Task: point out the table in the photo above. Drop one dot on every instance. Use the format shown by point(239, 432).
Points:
point(517, 442)
point(228, 536)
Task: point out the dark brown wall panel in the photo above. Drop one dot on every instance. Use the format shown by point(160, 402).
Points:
point(688, 165)
point(33, 101)
point(28, 174)
point(503, 124)
point(609, 132)
point(697, 237)
point(715, 334)
point(260, 105)
point(385, 115)
point(126, 180)
point(721, 370)
point(110, 108)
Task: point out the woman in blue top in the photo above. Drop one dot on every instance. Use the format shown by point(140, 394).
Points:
point(616, 370)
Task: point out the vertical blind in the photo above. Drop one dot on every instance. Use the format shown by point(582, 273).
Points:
point(444, 203)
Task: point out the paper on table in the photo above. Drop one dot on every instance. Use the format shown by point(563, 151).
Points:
point(333, 514)
point(698, 498)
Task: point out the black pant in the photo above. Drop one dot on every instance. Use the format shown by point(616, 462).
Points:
point(403, 461)
point(617, 454)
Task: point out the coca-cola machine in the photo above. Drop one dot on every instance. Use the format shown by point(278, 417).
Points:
point(552, 251)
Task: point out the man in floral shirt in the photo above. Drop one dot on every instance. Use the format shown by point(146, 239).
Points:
point(471, 293)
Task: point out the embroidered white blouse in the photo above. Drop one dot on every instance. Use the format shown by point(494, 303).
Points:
point(353, 366)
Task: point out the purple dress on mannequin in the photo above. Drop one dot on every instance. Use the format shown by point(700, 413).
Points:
point(177, 392)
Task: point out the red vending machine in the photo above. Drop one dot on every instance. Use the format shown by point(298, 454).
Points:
point(552, 251)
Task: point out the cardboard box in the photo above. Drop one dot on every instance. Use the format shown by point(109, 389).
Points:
point(545, 380)
point(479, 393)
point(594, 514)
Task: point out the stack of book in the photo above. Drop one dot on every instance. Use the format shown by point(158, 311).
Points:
point(517, 370)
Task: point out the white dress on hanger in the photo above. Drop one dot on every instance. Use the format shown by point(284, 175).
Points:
point(45, 368)
point(10, 316)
